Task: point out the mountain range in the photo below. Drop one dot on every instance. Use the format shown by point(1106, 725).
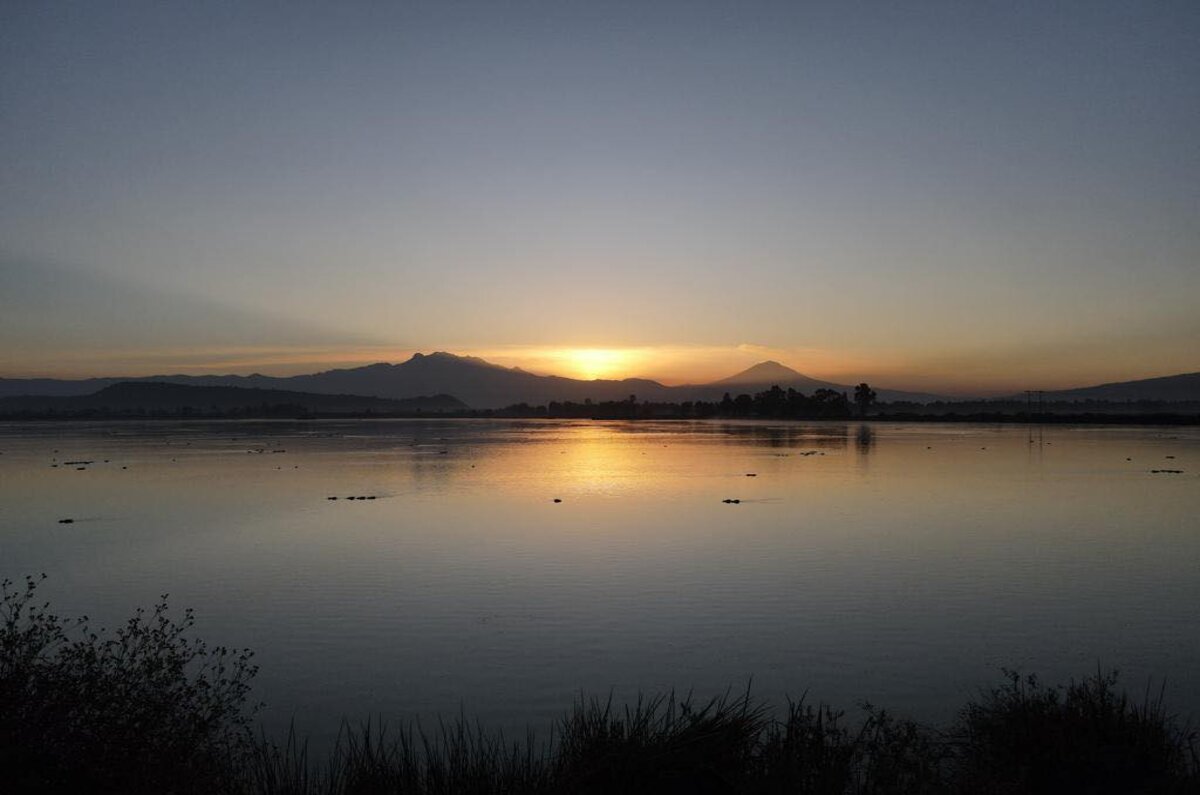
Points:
point(1185, 386)
point(483, 385)
point(478, 383)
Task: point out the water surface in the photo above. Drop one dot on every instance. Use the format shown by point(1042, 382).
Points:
point(899, 564)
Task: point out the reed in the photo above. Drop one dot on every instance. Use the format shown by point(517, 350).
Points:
point(146, 708)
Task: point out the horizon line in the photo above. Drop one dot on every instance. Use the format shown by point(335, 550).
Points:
point(318, 367)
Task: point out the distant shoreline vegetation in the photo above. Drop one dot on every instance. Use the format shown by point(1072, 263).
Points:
point(155, 400)
point(147, 708)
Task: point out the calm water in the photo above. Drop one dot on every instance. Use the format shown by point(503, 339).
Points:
point(897, 564)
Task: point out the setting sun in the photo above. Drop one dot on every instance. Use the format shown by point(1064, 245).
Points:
point(592, 363)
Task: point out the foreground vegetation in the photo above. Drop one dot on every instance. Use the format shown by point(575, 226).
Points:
point(147, 709)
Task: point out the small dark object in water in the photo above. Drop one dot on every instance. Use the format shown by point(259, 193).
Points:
point(1166, 471)
point(1170, 456)
point(54, 466)
point(80, 469)
point(371, 497)
point(124, 467)
point(556, 499)
point(732, 502)
point(1128, 459)
point(279, 451)
point(751, 474)
point(66, 521)
point(331, 498)
point(360, 498)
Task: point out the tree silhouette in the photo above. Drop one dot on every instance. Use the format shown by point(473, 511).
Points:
point(864, 396)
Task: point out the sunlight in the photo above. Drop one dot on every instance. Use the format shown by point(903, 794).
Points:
point(592, 363)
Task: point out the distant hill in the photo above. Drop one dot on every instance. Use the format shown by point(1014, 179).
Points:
point(766, 374)
point(148, 397)
point(480, 383)
point(771, 373)
point(1185, 386)
point(483, 385)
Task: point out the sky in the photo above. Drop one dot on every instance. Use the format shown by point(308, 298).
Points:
point(965, 197)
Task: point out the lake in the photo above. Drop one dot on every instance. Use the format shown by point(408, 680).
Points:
point(898, 564)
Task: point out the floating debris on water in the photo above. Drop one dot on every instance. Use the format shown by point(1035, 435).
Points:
point(66, 521)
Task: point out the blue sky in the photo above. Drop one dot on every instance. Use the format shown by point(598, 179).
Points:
point(965, 196)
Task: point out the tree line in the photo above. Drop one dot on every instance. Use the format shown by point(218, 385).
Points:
point(773, 403)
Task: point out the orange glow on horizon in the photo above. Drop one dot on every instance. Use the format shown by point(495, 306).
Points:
point(951, 373)
point(592, 363)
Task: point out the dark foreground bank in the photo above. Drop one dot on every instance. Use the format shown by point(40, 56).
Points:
point(146, 708)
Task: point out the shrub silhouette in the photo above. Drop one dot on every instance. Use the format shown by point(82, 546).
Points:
point(143, 708)
point(146, 709)
point(1085, 737)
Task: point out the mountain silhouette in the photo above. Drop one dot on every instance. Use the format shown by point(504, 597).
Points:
point(484, 385)
point(772, 372)
point(1185, 386)
point(765, 375)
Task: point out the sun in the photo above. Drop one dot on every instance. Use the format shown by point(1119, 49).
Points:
point(593, 363)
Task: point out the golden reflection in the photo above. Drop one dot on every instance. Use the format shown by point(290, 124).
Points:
point(585, 458)
point(598, 459)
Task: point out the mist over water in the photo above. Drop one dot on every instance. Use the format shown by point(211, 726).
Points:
point(900, 564)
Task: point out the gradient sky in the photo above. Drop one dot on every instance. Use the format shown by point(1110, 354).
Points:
point(970, 197)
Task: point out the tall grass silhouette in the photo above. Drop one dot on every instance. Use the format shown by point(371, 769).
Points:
point(146, 708)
